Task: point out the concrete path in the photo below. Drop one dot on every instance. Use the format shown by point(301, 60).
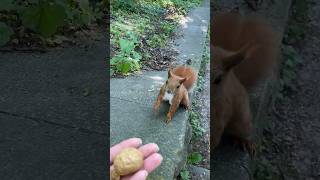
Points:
point(132, 100)
point(53, 114)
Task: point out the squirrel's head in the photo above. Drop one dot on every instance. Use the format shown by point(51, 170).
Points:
point(173, 82)
point(224, 61)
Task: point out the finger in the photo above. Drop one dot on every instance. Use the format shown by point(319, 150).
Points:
point(140, 175)
point(132, 142)
point(112, 173)
point(149, 149)
point(152, 162)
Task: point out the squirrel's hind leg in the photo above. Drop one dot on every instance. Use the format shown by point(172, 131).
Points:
point(185, 101)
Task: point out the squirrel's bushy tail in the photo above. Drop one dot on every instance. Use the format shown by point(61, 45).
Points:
point(232, 32)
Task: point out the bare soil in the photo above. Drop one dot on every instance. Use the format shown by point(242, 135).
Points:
point(294, 139)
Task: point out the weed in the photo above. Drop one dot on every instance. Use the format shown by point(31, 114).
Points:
point(157, 40)
point(5, 33)
point(297, 23)
point(127, 60)
point(194, 158)
point(291, 58)
point(194, 119)
point(185, 175)
point(264, 170)
point(288, 72)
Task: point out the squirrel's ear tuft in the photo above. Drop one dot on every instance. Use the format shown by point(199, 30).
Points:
point(182, 80)
point(170, 72)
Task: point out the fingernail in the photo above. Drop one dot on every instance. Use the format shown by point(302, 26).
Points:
point(160, 157)
point(139, 140)
point(156, 146)
point(144, 173)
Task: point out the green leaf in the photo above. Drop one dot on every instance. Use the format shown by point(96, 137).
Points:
point(6, 5)
point(84, 4)
point(136, 56)
point(126, 46)
point(5, 33)
point(194, 158)
point(124, 67)
point(44, 17)
point(185, 175)
point(85, 18)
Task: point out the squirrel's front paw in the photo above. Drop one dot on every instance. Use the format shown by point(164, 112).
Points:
point(156, 107)
point(169, 117)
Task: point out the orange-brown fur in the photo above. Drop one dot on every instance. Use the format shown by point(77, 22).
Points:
point(232, 31)
point(180, 80)
point(244, 50)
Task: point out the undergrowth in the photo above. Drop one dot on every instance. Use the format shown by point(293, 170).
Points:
point(40, 20)
point(150, 22)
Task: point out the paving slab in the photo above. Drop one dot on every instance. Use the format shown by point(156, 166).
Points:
point(63, 86)
point(194, 29)
point(132, 100)
point(37, 150)
point(53, 113)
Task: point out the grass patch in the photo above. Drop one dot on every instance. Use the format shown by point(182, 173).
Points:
point(152, 22)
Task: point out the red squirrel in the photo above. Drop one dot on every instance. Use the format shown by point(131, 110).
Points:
point(175, 90)
point(244, 50)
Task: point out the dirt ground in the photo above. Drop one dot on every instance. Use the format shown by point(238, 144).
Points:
point(295, 137)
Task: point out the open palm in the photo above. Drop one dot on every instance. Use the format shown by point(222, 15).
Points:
point(152, 159)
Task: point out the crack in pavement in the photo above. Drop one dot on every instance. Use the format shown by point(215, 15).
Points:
point(38, 120)
point(144, 105)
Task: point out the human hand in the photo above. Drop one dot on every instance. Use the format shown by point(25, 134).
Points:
point(152, 159)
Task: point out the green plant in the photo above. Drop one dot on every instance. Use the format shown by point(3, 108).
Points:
point(288, 72)
point(168, 28)
point(157, 40)
point(128, 59)
point(194, 158)
point(185, 175)
point(6, 5)
point(44, 17)
point(297, 23)
point(142, 18)
point(194, 119)
point(47, 17)
point(5, 33)
point(264, 170)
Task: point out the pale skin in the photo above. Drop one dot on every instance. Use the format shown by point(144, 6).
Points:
point(152, 159)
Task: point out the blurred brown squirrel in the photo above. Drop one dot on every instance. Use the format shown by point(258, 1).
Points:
point(175, 89)
point(244, 50)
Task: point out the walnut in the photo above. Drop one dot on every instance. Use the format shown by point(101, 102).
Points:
point(128, 161)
